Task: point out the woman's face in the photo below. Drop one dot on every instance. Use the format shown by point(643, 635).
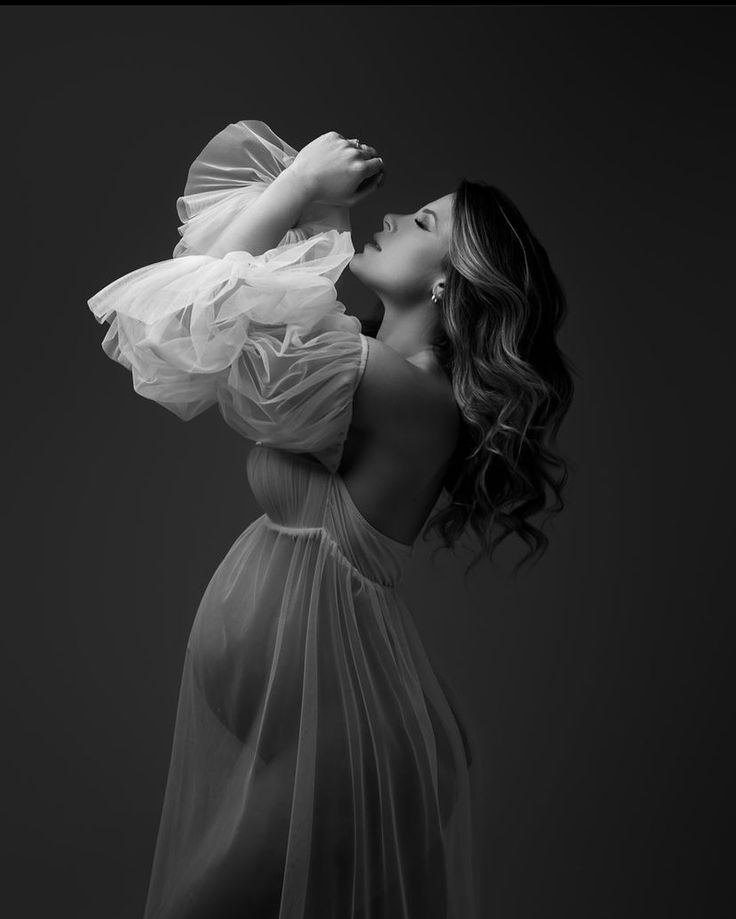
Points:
point(405, 269)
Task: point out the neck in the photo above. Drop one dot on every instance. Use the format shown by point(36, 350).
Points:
point(409, 332)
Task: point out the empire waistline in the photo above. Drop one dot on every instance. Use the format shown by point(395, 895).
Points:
point(325, 534)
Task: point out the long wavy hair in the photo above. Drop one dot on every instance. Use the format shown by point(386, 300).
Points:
point(499, 316)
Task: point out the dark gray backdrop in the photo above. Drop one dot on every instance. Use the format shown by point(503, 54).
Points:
point(597, 682)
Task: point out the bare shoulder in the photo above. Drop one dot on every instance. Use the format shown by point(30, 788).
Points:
point(401, 404)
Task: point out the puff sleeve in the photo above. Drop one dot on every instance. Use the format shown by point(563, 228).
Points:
point(262, 337)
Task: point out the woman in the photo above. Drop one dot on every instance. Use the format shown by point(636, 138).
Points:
point(318, 768)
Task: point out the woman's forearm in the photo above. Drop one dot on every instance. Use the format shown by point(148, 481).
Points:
point(264, 224)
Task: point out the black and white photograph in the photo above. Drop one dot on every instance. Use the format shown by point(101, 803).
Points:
point(370, 412)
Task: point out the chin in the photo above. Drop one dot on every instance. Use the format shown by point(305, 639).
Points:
point(356, 270)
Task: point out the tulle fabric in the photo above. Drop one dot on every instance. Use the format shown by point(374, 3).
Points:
point(318, 769)
point(263, 337)
point(228, 175)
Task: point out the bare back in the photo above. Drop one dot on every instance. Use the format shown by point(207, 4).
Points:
point(404, 431)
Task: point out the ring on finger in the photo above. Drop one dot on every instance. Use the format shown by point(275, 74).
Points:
point(364, 148)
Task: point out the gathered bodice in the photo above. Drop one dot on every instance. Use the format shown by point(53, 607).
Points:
point(297, 492)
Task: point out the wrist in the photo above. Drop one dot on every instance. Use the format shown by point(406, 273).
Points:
point(300, 185)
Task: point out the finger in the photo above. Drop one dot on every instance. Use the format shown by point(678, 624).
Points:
point(367, 187)
point(371, 182)
point(373, 165)
point(365, 149)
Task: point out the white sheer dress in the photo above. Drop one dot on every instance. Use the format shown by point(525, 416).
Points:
point(318, 769)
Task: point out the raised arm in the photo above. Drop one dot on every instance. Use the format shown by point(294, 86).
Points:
point(329, 170)
point(268, 219)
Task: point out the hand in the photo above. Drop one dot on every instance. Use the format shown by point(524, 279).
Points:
point(336, 172)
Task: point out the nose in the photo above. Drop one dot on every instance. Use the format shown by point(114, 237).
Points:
point(387, 222)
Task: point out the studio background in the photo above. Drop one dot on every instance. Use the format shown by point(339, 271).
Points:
point(596, 682)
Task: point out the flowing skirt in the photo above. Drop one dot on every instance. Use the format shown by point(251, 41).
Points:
point(317, 769)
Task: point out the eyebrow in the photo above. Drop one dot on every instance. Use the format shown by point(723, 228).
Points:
point(427, 210)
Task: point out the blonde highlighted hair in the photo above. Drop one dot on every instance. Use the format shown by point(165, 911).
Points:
point(498, 321)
